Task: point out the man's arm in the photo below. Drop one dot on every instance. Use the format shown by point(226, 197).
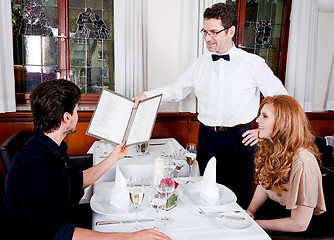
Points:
point(147, 234)
point(267, 82)
point(92, 174)
point(176, 90)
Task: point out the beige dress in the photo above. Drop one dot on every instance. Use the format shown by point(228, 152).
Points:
point(305, 184)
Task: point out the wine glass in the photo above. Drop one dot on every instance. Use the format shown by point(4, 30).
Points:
point(165, 189)
point(169, 167)
point(179, 160)
point(136, 192)
point(157, 202)
point(190, 156)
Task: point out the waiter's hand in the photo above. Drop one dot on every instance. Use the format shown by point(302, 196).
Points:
point(138, 98)
point(251, 137)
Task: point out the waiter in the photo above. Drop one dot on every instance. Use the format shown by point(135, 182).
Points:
point(227, 82)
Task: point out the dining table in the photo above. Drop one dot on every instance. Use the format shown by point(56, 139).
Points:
point(191, 218)
point(137, 164)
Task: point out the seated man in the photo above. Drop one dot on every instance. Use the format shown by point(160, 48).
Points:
point(41, 183)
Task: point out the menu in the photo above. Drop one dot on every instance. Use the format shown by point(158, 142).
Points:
point(116, 120)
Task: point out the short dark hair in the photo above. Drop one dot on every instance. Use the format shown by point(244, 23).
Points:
point(225, 12)
point(50, 100)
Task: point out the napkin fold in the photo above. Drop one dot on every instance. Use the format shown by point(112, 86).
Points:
point(209, 188)
point(120, 193)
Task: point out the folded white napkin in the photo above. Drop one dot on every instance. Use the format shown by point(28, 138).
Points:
point(120, 193)
point(209, 188)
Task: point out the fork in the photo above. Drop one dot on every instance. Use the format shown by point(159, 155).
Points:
point(214, 213)
point(221, 215)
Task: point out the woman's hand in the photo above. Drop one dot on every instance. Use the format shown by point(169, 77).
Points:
point(250, 213)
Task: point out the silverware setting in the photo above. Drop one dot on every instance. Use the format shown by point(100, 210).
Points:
point(231, 217)
point(157, 144)
point(123, 221)
point(222, 214)
point(126, 156)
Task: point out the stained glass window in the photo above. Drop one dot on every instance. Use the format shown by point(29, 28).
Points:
point(36, 39)
point(262, 34)
point(91, 45)
point(262, 29)
point(35, 27)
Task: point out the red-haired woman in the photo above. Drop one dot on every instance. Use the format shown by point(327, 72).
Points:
point(286, 165)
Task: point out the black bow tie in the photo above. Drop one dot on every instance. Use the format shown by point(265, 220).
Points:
point(216, 57)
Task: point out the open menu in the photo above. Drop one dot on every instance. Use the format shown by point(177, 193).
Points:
point(115, 120)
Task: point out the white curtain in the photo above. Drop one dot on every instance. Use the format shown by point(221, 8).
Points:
point(7, 84)
point(191, 43)
point(330, 93)
point(301, 60)
point(130, 39)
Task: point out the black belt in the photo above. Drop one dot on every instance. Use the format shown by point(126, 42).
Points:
point(223, 129)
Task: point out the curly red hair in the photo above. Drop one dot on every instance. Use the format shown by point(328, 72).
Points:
point(291, 131)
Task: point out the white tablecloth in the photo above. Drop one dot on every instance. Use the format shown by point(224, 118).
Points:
point(138, 165)
point(187, 223)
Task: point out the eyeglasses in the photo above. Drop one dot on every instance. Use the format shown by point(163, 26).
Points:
point(212, 33)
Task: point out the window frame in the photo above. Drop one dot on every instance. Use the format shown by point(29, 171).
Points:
point(64, 58)
point(241, 11)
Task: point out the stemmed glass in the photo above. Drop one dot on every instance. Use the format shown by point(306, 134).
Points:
point(169, 167)
point(191, 156)
point(165, 190)
point(136, 192)
point(157, 202)
point(179, 161)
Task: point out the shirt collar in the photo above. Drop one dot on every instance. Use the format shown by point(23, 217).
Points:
point(231, 52)
point(50, 144)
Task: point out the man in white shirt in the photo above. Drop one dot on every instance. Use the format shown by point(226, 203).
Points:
point(227, 85)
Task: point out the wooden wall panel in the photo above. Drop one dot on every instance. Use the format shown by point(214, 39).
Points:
point(172, 129)
point(79, 142)
point(322, 127)
point(193, 128)
point(9, 128)
point(181, 126)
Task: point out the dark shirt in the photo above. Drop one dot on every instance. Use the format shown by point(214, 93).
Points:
point(40, 187)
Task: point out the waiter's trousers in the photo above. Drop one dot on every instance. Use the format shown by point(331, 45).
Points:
point(234, 160)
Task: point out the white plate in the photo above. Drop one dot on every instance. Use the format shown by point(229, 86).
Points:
point(100, 203)
point(190, 194)
point(233, 224)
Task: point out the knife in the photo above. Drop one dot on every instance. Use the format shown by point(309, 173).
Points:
point(126, 156)
point(232, 217)
point(156, 144)
point(123, 221)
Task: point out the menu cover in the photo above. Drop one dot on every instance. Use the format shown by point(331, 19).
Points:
point(115, 120)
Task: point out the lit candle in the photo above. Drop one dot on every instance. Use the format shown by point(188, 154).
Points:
point(158, 170)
